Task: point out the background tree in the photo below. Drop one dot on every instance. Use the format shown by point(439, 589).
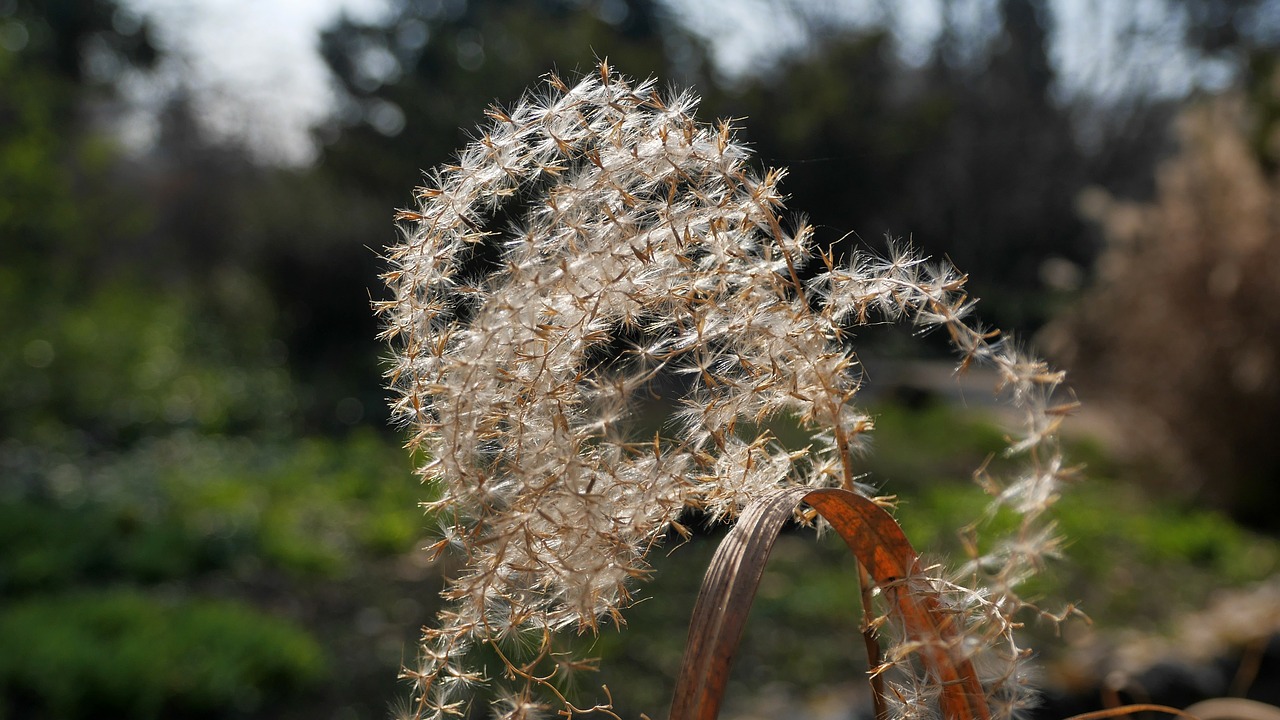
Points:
point(972, 155)
point(1176, 334)
point(415, 84)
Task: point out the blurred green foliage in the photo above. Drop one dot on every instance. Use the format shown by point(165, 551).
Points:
point(123, 653)
point(153, 449)
point(1122, 541)
point(185, 505)
point(108, 557)
point(1112, 563)
point(200, 513)
point(126, 362)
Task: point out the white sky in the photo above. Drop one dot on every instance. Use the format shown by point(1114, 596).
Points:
point(255, 65)
point(256, 73)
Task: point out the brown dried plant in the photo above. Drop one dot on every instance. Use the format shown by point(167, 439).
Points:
point(643, 254)
point(1179, 335)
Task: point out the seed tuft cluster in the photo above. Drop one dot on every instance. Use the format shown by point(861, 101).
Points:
point(593, 247)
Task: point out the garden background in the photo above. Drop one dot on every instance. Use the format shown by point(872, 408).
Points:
point(203, 512)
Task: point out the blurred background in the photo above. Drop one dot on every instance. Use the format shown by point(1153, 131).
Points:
point(203, 512)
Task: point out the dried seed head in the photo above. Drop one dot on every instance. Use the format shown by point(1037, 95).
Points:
point(640, 247)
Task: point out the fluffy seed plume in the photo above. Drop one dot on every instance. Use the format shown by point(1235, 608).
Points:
point(595, 245)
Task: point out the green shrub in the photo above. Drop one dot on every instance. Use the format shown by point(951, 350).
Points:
point(123, 653)
point(185, 505)
point(130, 362)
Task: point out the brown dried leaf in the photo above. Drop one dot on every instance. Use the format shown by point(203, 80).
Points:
point(730, 585)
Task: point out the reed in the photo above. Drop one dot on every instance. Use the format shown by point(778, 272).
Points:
point(596, 245)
